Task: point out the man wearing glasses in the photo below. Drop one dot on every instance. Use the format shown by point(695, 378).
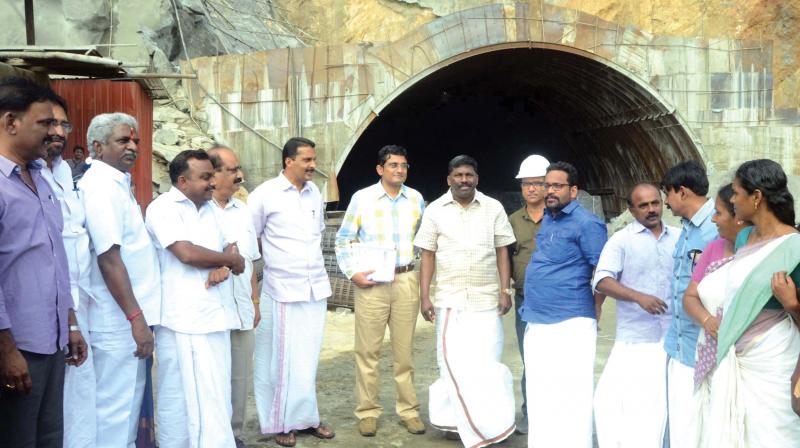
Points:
point(80, 418)
point(387, 214)
point(562, 313)
point(237, 223)
point(526, 222)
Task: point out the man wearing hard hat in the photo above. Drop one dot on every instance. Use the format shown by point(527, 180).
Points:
point(526, 222)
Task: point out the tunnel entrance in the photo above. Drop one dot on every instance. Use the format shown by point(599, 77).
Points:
point(500, 106)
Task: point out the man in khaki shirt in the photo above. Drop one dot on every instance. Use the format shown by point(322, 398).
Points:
point(464, 237)
point(526, 222)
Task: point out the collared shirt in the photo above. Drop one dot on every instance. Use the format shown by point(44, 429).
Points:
point(114, 218)
point(525, 230)
point(187, 305)
point(638, 260)
point(374, 217)
point(34, 276)
point(76, 239)
point(238, 226)
point(558, 279)
point(290, 224)
point(681, 340)
point(465, 240)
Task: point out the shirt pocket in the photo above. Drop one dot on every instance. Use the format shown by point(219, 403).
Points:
point(559, 246)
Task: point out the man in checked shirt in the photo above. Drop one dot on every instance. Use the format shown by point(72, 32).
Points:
point(387, 214)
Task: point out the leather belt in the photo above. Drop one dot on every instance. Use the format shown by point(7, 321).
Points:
point(403, 269)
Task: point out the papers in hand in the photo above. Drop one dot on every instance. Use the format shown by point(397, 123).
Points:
point(380, 259)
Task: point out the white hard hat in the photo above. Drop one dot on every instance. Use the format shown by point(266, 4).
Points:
point(533, 166)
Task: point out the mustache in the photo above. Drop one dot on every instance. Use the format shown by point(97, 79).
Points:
point(54, 139)
point(238, 180)
point(652, 215)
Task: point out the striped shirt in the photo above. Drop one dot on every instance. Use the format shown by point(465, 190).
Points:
point(374, 217)
point(465, 239)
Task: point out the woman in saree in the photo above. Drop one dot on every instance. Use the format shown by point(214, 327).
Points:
point(744, 396)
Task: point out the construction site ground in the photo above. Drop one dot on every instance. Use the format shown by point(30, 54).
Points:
point(336, 386)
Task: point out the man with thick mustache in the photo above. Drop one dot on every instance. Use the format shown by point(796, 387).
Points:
point(236, 220)
point(562, 313)
point(80, 418)
point(196, 257)
point(635, 267)
point(287, 214)
point(37, 321)
point(125, 278)
point(464, 237)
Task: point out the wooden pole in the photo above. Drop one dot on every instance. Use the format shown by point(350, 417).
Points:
point(30, 29)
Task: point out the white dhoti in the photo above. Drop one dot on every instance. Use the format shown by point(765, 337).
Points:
point(288, 344)
point(559, 360)
point(474, 394)
point(193, 407)
point(80, 384)
point(120, 380)
point(680, 403)
point(630, 401)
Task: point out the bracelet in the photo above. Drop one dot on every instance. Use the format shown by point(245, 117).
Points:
point(256, 302)
point(134, 315)
point(703, 324)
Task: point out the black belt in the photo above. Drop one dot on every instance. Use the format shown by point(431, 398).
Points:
point(403, 269)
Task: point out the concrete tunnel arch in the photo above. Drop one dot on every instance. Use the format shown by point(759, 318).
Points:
point(501, 102)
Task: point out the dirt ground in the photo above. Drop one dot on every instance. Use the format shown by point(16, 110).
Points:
point(336, 386)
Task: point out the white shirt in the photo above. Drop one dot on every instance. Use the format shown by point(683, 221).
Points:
point(238, 226)
point(290, 224)
point(76, 239)
point(114, 218)
point(638, 260)
point(188, 307)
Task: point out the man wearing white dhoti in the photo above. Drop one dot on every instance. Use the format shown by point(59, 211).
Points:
point(686, 186)
point(194, 352)
point(464, 237)
point(287, 214)
point(630, 402)
point(125, 279)
point(80, 419)
point(239, 226)
point(562, 313)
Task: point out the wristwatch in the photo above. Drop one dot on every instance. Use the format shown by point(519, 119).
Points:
point(509, 291)
point(74, 328)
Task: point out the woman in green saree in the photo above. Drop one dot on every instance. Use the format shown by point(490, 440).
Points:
point(747, 399)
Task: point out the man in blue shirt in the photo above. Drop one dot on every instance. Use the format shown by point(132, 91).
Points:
point(685, 186)
point(561, 313)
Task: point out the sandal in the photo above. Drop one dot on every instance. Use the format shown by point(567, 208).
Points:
point(320, 432)
point(286, 439)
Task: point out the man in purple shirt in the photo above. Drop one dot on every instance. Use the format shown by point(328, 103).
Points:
point(35, 301)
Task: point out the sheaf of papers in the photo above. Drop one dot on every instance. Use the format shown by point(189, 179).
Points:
point(381, 259)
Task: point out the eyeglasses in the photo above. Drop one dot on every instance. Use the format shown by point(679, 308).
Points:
point(65, 125)
point(555, 186)
point(532, 184)
point(395, 165)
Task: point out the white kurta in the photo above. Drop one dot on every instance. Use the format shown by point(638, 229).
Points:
point(559, 360)
point(113, 217)
point(80, 415)
point(474, 394)
point(193, 346)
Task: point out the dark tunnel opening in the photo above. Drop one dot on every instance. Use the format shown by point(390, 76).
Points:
point(502, 106)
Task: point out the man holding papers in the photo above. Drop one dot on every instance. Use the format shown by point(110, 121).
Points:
point(380, 222)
